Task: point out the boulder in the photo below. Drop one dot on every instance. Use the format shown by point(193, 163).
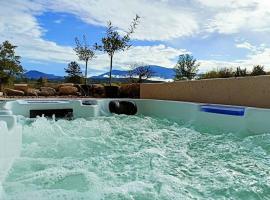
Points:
point(68, 90)
point(65, 84)
point(52, 85)
point(12, 92)
point(32, 92)
point(98, 90)
point(85, 90)
point(22, 87)
point(47, 91)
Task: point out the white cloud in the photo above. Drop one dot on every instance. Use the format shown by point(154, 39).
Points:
point(228, 22)
point(246, 45)
point(228, 3)
point(166, 20)
point(259, 58)
point(234, 16)
point(156, 55)
point(159, 20)
point(259, 55)
point(252, 48)
point(207, 65)
point(24, 31)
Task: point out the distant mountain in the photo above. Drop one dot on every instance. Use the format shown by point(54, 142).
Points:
point(160, 73)
point(33, 74)
point(115, 73)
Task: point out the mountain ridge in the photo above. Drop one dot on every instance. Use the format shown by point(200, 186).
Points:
point(34, 74)
point(160, 73)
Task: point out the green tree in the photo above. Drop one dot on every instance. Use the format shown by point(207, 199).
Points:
point(240, 72)
point(186, 67)
point(113, 42)
point(74, 72)
point(84, 52)
point(10, 65)
point(258, 70)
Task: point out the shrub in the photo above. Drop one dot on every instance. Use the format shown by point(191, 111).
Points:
point(220, 73)
point(258, 70)
point(129, 91)
point(226, 72)
point(240, 72)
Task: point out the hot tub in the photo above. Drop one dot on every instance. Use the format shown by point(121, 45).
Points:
point(81, 149)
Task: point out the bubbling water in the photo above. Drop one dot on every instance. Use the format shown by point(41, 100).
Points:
point(136, 157)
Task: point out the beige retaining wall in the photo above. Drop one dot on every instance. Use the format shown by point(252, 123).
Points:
point(248, 91)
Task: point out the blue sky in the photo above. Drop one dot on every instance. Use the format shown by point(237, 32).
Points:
point(218, 34)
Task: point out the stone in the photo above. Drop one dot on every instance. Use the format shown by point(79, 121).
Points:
point(47, 91)
point(32, 92)
point(85, 90)
point(68, 90)
point(12, 92)
point(65, 84)
point(98, 90)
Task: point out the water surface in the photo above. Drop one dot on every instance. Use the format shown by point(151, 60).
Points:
point(136, 157)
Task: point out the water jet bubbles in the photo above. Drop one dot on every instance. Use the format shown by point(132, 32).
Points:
point(135, 157)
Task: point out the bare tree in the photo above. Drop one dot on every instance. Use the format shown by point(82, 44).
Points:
point(140, 72)
point(84, 52)
point(113, 41)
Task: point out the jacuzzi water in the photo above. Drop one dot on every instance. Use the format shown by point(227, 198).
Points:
point(136, 157)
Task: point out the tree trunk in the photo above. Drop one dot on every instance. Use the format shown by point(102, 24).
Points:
point(111, 70)
point(85, 76)
point(140, 79)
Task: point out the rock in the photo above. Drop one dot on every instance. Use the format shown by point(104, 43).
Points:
point(65, 84)
point(32, 92)
point(52, 85)
point(22, 87)
point(85, 90)
point(98, 90)
point(68, 90)
point(12, 92)
point(47, 91)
